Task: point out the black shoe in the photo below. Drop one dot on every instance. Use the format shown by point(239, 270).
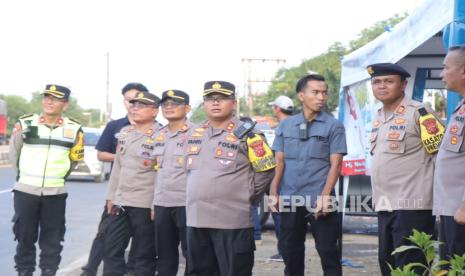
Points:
point(48, 272)
point(24, 273)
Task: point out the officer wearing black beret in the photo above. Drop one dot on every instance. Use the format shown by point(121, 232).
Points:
point(44, 148)
point(402, 166)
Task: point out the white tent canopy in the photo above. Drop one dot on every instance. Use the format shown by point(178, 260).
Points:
point(411, 43)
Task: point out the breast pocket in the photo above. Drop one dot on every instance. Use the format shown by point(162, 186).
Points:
point(291, 147)
point(178, 158)
point(319, 144)
point(193, 158)
point(158, 156)
point(395, 142)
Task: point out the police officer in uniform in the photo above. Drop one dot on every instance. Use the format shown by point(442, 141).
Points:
point(106, 150)
point(402, 169)
point(308, 147)
point(130, 191)
point(44, 147)
point(229, 166)
point(449, 186)
point(170, 190)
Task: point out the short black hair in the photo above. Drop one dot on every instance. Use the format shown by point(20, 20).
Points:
point(302, 83)
point(134, 85)
point(461, 50)
point(286, 111)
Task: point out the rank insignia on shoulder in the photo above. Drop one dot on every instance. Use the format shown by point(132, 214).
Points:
point(230, 127)
point(74, 120)
point(26, 116)
point(400, 109)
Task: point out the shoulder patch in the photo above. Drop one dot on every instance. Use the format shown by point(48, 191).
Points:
point(26, 116)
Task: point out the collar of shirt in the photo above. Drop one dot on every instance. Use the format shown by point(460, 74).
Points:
point(462, 102)
point(321, 117)
point(187, 125)
point(400, 109)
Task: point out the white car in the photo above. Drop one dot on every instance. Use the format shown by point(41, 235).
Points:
point(91, 166)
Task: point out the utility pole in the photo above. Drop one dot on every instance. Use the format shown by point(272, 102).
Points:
point(251, 79)
point(107, 115)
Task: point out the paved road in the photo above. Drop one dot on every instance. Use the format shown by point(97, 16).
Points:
point(84, 207)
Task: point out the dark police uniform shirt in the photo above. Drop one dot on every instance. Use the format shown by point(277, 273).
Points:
point(449, 174)
point(307, 162)
point(109, 139)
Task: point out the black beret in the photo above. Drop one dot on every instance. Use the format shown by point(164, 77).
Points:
point(146, 98)
point(384, 69)
point(57, 91)
point(175, 95)
point(222, 87)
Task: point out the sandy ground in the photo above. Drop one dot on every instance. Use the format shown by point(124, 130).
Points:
point(358, 249)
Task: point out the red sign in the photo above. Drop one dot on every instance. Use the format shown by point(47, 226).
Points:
point(353, 167)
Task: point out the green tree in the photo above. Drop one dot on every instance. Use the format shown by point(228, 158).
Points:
point(327, 64)
point(198, 114)
point(16, 106)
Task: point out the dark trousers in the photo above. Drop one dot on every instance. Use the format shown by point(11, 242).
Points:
point(220, 252)
point(452, 236)
point(170, 231)
point(123, 223)
point(32, 213)
point(326, 232)
point(393, 228)
point(277, 225)
point(96, 250)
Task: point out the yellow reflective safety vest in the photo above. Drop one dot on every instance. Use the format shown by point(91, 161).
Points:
point(46, 155)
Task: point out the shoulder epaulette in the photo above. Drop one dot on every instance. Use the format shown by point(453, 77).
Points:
point(26, 116)
point(74, 120)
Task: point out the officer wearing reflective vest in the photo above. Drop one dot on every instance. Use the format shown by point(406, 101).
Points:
point(229, 166)
point(44, 148)
point(404, 139)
